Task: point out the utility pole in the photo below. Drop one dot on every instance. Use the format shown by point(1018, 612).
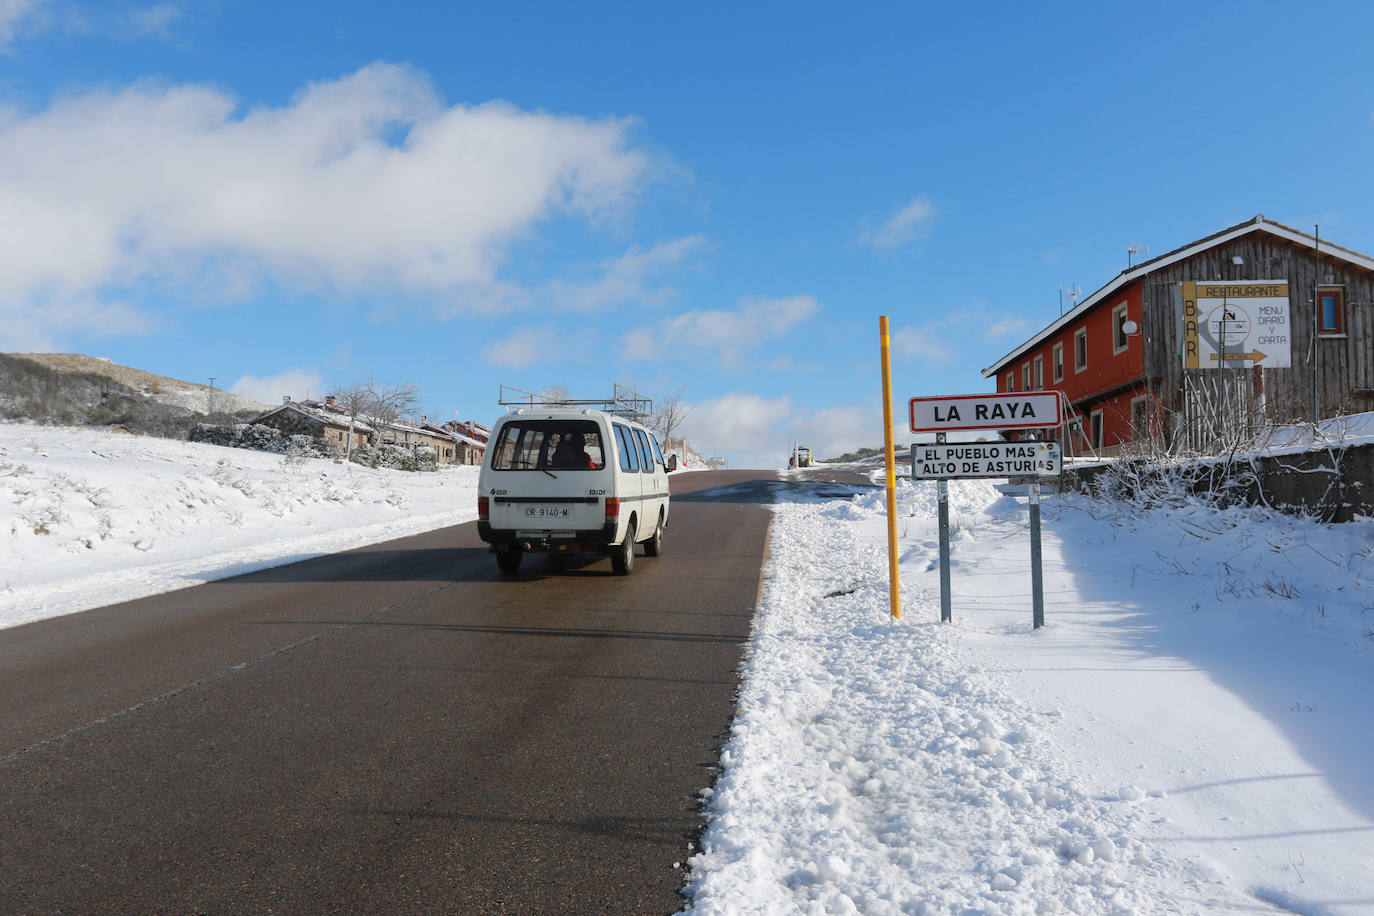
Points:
point(210, 397)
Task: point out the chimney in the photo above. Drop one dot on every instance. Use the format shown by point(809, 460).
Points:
point(329, 400)
point(286, 399)
point(424, 421)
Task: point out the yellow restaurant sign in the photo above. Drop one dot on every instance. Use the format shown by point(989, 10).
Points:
point(1236, 324)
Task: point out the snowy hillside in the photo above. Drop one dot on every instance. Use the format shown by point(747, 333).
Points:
point(89, 518)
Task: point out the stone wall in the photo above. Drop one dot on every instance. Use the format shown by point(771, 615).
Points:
point(1336, 484)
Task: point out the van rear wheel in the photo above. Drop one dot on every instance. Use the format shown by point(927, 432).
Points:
point(623, 560)
point(508, 558)
point(654, 545)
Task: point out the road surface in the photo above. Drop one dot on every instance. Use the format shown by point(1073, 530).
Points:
point(398, 728)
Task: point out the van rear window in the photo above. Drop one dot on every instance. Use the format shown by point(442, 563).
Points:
point(549, 445)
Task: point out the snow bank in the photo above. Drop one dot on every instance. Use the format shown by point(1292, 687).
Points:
point(1090, 767)
point(88, 517)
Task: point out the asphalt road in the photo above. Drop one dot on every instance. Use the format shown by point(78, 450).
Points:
point(394, 729)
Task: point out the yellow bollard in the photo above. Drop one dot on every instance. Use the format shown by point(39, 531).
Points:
point(894, 586)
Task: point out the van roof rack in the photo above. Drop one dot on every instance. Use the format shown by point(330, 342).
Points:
point(623, 401)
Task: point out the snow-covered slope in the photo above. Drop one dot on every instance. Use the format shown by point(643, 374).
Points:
point(88, 517)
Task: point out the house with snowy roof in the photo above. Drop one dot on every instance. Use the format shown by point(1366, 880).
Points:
point(1256, 325)
point(311, 418)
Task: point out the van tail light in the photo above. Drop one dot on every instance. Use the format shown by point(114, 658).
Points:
point(483, 508)
point(612, 508)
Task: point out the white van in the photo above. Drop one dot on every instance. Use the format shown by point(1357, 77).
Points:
point(563, 480)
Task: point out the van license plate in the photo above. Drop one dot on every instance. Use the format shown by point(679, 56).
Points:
point(545, 512)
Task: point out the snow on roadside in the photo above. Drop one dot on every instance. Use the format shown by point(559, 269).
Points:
point(88, 517)
point(912, 767)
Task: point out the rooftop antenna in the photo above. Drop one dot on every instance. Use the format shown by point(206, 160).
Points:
point(1134, 249)
point(1074, 294)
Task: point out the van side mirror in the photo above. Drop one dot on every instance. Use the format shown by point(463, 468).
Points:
point(672, 462)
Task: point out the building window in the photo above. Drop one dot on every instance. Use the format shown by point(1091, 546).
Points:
point(1095, 430)
point(1330, 310)
point(1011, 381)
point(1057, 360)
point(1119, 339)
point(1080, 349)
point(1025, 377)
point(1039, 376)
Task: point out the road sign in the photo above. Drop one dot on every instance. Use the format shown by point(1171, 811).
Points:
point(953, 460)
point(1010, 410)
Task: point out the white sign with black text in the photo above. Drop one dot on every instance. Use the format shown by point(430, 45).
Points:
point(953, 460)
point(1009, 410)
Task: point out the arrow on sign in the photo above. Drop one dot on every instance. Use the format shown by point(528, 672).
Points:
point(1255, 357)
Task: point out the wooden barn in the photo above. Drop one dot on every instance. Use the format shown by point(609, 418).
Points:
point(1257, 325)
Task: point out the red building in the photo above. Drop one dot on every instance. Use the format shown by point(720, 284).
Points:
point(1256, 324)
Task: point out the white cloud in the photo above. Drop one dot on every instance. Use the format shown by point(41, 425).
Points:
point(298, 383)
point(746, 429)
point(1005, 327)
point(751, 431)
point(155, 21)
point(623, 279)
point(13, 14)
point(904, 226)
point(725, 334)
point(545, 343)
point(361, 184)
point(522, 348)
point(836, 431)
point(928, 342)
point(125, 21)
point(945, 341)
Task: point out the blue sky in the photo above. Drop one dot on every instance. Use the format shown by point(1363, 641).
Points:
point(719, 198)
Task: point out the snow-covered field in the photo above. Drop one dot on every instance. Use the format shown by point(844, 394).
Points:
point(89, 518)
point(1191, 732)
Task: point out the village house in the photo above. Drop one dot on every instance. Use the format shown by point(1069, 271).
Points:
point(457, 449)
point(311, 418)
point(472, 439)
point(1258, 324)
point(454, 443)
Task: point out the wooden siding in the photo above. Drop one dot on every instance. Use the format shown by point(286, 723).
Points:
point(1345, 362)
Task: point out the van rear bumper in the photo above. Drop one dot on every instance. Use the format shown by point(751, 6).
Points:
point(560, 541)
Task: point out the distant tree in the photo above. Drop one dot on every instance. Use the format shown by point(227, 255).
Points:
point(555, 394)
point(381, 404)
point(353, 401)
point(388, 403)
point(669, 415)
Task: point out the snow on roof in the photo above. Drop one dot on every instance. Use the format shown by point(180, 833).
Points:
point(1259, 223)
point(468, 440)
point(322, 414)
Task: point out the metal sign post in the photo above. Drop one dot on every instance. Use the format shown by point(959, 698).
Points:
point(1037, 577)
point(946, 614)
